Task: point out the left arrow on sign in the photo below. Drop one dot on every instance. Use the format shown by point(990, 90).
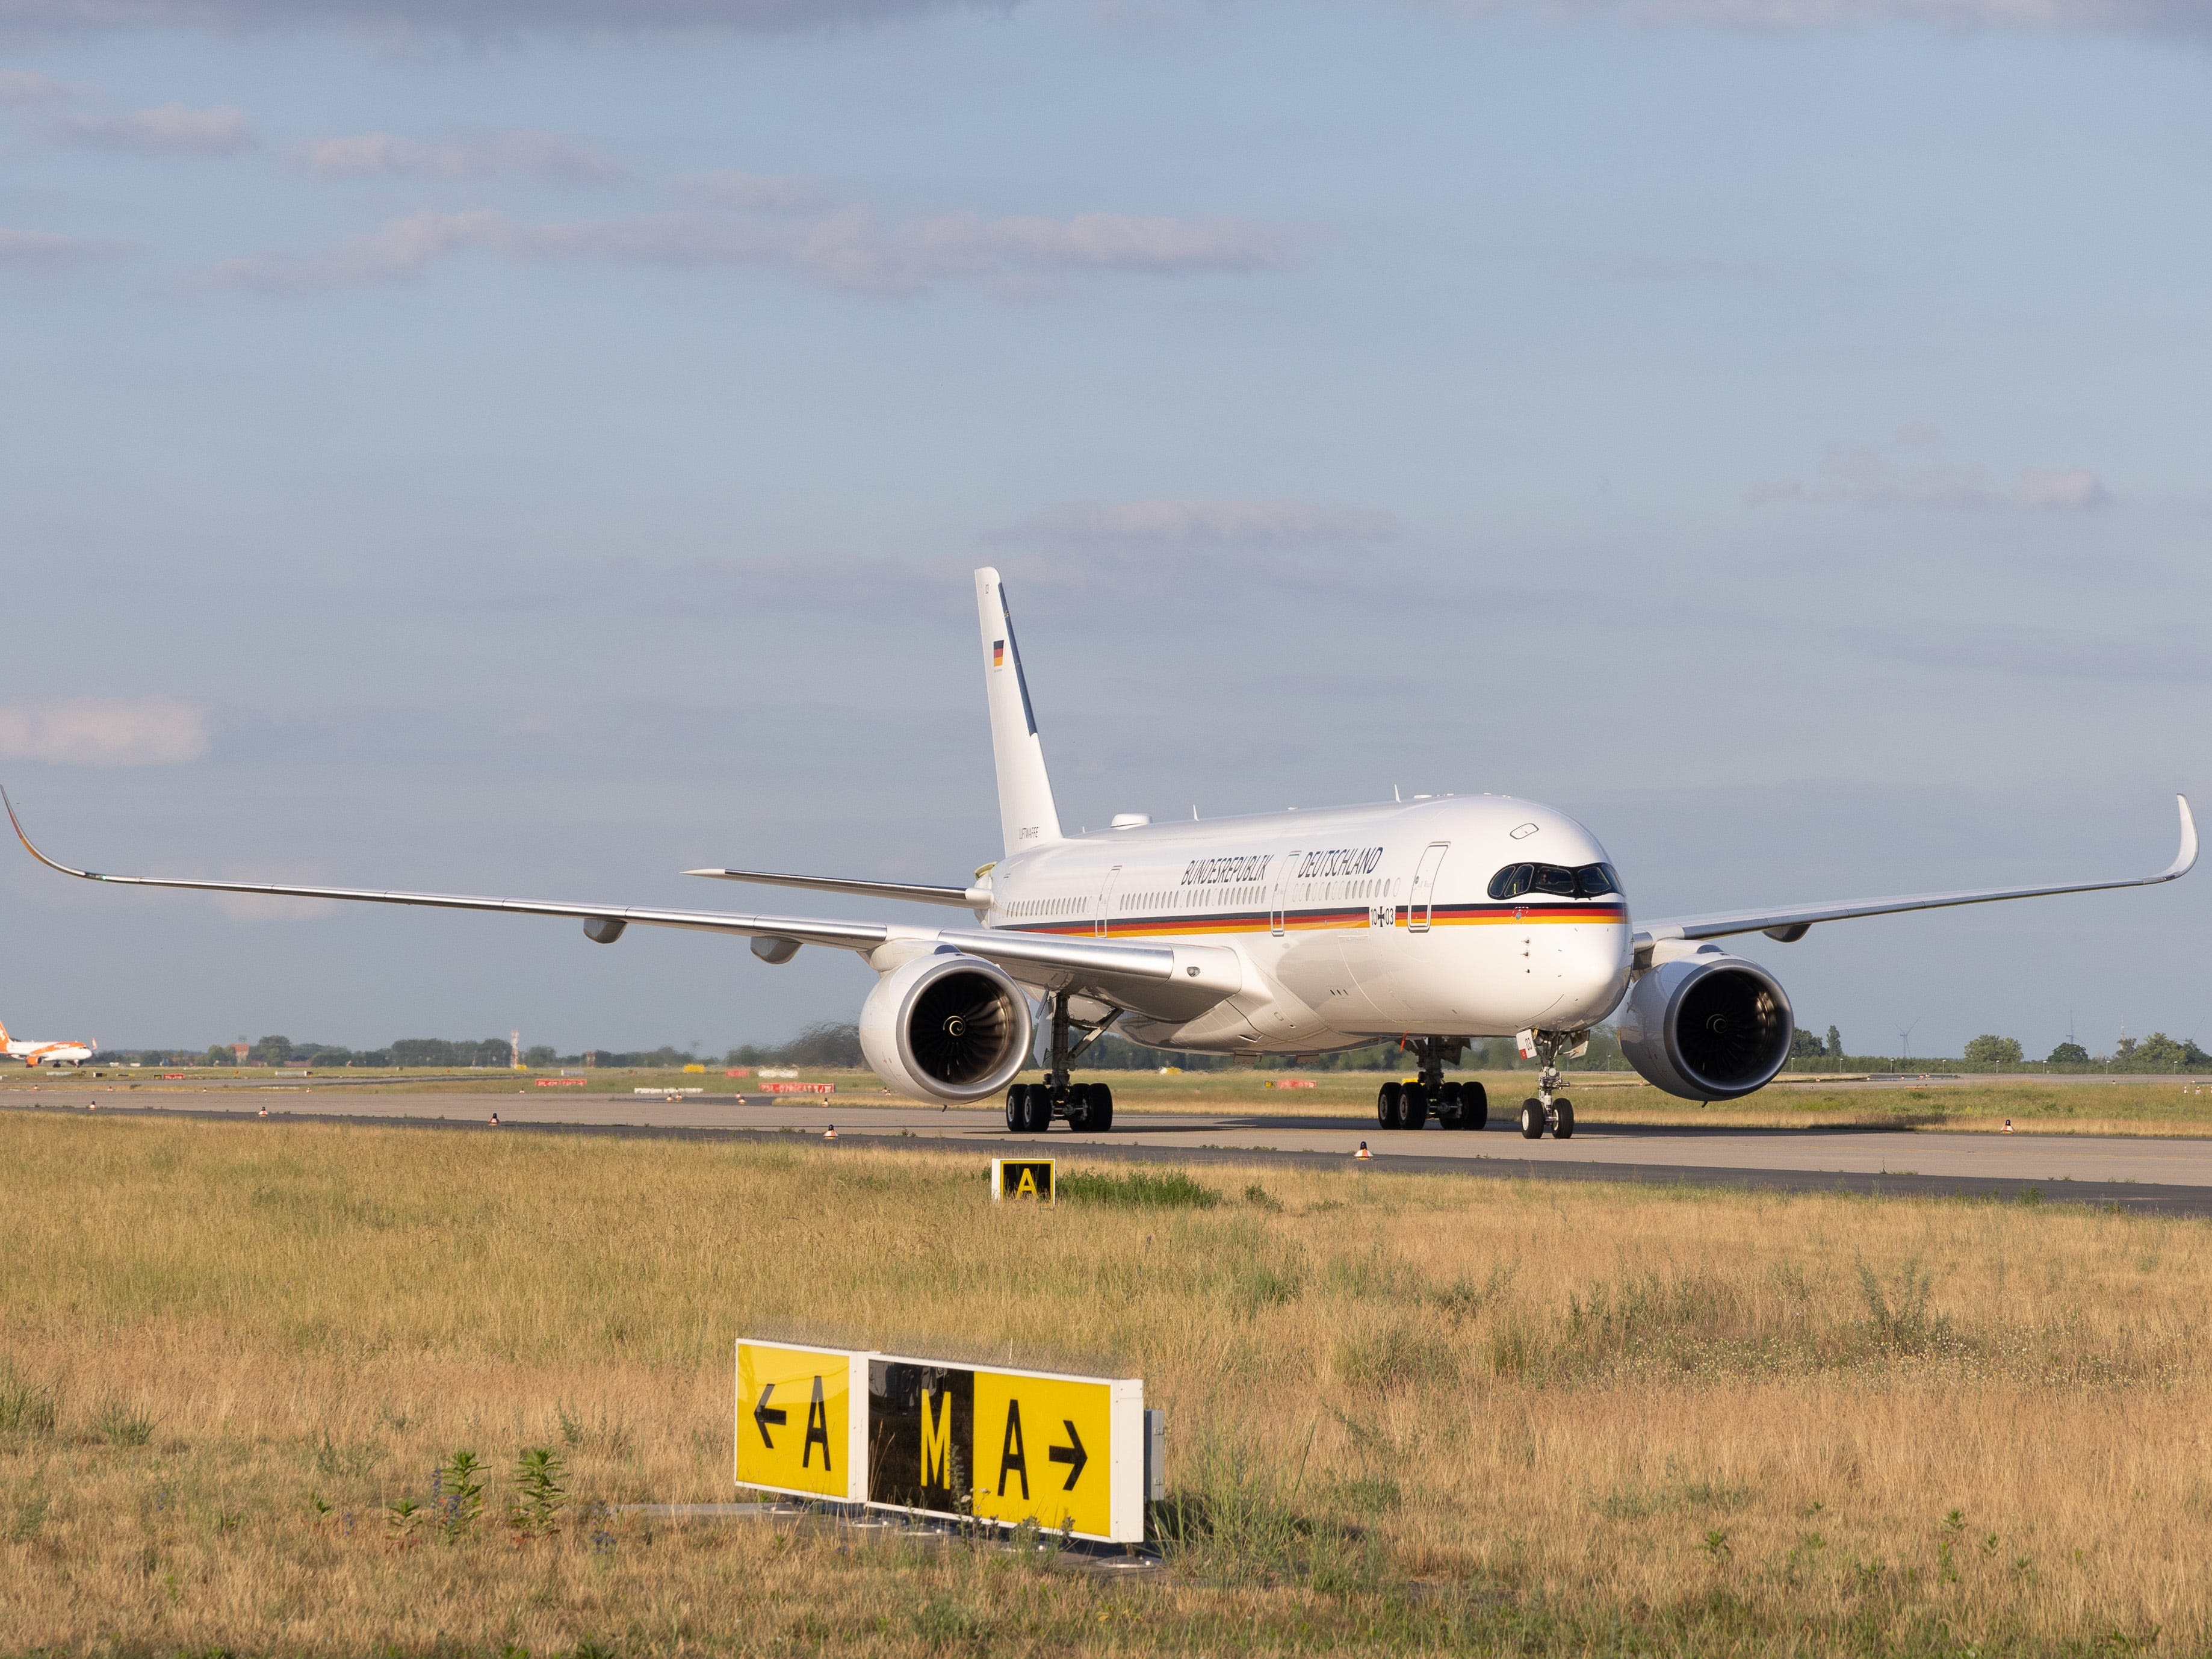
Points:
point(1071, 1453)
point(764, 1414)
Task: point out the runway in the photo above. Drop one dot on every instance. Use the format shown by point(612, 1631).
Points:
point(2166, 1175)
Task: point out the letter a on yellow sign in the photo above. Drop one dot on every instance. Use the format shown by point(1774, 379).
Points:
point(798, 1431)
point(1041, 1446)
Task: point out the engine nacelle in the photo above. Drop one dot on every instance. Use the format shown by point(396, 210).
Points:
point(1707, 1026)
point(946, 1027)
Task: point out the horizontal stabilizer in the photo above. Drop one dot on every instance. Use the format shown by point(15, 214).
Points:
point(968, 898)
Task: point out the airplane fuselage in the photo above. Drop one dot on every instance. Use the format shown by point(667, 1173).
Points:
point(49, 1054)
point(1353, 923)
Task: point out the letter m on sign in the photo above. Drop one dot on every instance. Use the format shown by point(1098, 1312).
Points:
point(936, 1439)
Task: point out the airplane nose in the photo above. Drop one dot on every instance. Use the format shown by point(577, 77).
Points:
point(1594, 974)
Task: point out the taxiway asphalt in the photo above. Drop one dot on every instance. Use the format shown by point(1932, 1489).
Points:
point(2165, 1174)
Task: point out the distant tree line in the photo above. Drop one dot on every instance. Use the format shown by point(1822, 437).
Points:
point(1991, 1053)
point(831, 1045)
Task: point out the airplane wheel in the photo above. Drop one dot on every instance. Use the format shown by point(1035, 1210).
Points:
point(1532, 1120)
point(1449, 1104)
point(1079, 1106)
point(1562, 1120)
point(1413, 1107)
point(1386, 1104)
point(1040, 1108)
point(1474, 1107)
point(1018, 1107)
point(1100, 1115)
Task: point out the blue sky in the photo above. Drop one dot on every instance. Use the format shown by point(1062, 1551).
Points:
point(541, 458)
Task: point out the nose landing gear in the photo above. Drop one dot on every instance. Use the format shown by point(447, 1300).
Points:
point(1546, 1111)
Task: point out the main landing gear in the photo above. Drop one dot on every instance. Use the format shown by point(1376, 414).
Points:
point(1545, 1110)
point(1453, 1105)
point(1088, 1107)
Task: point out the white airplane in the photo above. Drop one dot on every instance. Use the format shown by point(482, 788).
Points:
point(46, 1054)
point(1431, 921)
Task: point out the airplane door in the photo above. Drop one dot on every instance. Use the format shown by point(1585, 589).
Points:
point(1424, 887)
point(1106, 900)
point(1282, 887)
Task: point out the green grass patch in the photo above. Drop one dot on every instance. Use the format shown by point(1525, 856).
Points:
point(1140, 1189)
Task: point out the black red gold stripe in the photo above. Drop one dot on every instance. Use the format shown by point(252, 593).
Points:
point(1311, 920)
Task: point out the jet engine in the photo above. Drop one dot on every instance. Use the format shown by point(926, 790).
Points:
point(946, 1027)
point(1706, 1026)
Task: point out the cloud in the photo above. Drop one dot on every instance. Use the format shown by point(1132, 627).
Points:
point(385, 155)
point(2071, 490)
point(481, 17)
point(1914, 474)
point(24, 89)
point(2152, 655)
point(1067, 579)
point(171, 129)
point(1644, 268)
point(846, 248)
point(628, 17)
point(749, 191)
point(2177, 16)
point(40, 250)
point(1209, 523)
point(104, 731)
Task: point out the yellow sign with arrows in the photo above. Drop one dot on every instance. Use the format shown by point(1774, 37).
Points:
point(802, 1422)
point(931, 1438)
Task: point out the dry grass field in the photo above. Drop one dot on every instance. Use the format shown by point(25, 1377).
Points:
point(1405, 1414)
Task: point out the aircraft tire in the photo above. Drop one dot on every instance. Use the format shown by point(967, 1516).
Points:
point(1449, 1103)
point(1531, 1119)
point(1040, 1108)
point(1563, 1124)
point(1474, 1107)
point(1386, 1104)
point(1100, 1117)
point(1413, 1107)
point(1018, 1107)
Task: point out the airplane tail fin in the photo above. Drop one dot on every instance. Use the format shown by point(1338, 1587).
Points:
point(1026, 813)
point(5, 1038)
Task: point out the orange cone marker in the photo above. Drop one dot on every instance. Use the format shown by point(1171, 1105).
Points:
point(1363, 1152)
point(830, 1133)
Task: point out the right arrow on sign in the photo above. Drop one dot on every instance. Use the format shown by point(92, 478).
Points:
point(763, 1414)
point(1071, 1453)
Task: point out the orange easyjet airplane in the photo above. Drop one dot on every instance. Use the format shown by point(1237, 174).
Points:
point(46, 1054)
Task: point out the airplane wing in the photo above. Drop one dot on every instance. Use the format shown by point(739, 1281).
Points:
point(1134, 975)
point(1789, 922)
point(968, 898)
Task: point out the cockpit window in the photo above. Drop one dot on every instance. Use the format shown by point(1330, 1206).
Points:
point(1591, 881)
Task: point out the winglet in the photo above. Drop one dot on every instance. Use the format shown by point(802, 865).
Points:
point(50, 864)
point(2186, 859)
